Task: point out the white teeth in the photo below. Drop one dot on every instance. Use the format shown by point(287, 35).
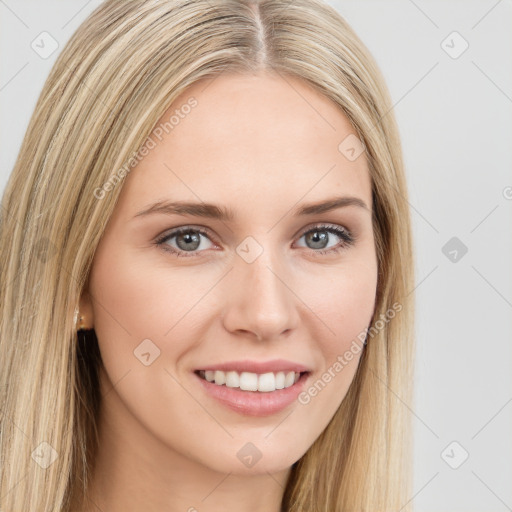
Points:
point(248, 381)
point(288, 380)
point(219, 378)
point(232, 379)
point(267, 382)
point(279, 380)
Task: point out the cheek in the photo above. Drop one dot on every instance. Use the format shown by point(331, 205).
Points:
point(138, 298)
point(135, 302)
point(343, 303)
point(135, 296)
point(344, 307)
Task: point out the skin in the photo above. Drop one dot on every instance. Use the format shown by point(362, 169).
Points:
point(262, 146)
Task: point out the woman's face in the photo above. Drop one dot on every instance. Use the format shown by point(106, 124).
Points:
point(266, 291)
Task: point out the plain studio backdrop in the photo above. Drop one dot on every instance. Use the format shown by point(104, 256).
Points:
point(448, 65)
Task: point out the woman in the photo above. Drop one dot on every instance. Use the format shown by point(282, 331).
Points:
point(206, 267)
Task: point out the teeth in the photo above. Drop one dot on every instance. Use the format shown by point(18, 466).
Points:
point(289, 379)
point(219, 378)
point(248, 381)
point(232, 379)
point(266, 382)
point(280, 377)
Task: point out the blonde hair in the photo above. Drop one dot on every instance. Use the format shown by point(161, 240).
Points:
point(110, 85)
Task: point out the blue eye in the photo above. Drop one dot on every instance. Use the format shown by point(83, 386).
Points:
point(188, 240)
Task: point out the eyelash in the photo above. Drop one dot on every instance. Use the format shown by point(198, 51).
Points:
point(347, 238)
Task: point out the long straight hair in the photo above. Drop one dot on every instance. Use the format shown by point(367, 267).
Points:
point(110, 85)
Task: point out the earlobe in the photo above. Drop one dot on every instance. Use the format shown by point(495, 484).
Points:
point(84, 315)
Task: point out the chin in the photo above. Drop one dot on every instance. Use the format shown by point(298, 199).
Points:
point(255, 458)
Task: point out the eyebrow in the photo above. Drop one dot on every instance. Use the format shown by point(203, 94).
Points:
point(212, 211)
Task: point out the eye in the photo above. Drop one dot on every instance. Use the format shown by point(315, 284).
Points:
point(318, 238)
point(188, 240)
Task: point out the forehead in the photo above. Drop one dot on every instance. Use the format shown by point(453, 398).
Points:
point(266, 136)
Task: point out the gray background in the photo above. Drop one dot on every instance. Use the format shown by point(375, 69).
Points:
point(454, 113)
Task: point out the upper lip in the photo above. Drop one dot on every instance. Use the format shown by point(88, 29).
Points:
point(275, 365)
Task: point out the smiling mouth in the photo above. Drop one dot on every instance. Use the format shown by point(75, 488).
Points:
point(248, 381)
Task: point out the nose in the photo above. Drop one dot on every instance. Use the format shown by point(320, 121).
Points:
point(260, 299)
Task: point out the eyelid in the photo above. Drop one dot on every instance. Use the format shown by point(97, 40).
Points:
point(321, 225)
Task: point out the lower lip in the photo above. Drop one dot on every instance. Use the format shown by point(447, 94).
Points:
point(254, 403)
